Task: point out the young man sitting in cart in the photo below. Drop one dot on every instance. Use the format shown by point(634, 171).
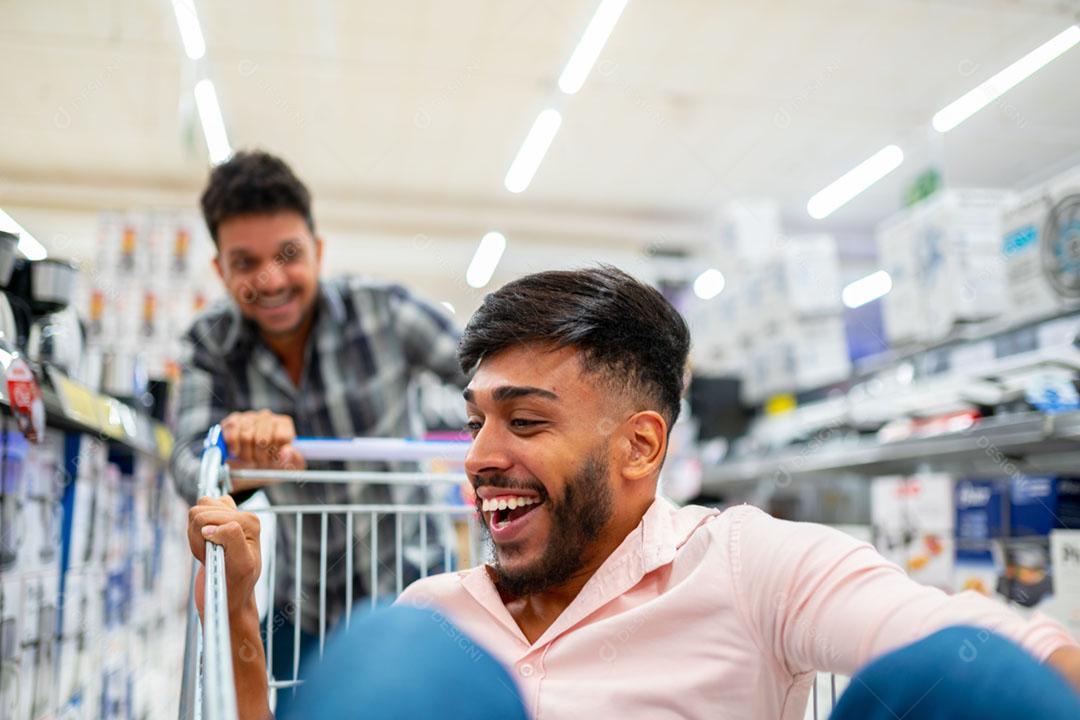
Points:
point(604, 599)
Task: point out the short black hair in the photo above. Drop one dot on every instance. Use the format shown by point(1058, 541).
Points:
point(253, 183)
point(624, 329)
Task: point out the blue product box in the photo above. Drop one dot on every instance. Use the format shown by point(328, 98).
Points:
point(1067, 515)
point(1032, 505)
point(980, 510)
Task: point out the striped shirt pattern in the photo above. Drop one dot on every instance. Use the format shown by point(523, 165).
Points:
point(367, 343)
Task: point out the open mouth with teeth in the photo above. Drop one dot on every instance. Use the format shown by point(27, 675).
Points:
point(277, 300)
point(501, 512)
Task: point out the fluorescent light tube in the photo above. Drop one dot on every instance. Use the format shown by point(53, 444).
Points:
point(709, 284)
point(591, 44)
point(190, 30)
point(486, 259)
point(867, 289)
point(217, 141)
point(975, 100)
point(862, 176)
point(28, 244)
point(532, 151)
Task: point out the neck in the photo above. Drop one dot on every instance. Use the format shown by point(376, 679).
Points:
point(289, 347)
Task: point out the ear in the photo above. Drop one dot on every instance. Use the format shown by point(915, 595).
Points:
point(646, 434)
point(318, 250)
point(217, 267)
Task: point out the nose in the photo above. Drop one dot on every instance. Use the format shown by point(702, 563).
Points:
point(271, 276)
point(488, 453)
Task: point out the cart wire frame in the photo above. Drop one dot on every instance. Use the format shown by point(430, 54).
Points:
point(208, 689)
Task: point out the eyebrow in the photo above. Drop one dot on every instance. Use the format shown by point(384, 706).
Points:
point(513, 392)
point(282, 246)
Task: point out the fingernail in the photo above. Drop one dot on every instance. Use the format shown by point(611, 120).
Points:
point(209, 530)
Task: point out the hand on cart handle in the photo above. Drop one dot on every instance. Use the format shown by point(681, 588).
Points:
point(218, 520)
point(263, 440)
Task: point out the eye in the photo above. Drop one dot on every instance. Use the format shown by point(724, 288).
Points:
point(522, 424)
point(472, 427)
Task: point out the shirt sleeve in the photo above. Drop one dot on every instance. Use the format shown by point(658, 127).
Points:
point(201, 404)
point(429, 337)
point(818, 599)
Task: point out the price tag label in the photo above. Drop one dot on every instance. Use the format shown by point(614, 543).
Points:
point(78, 403)
point(25, 399)
point(164, 440)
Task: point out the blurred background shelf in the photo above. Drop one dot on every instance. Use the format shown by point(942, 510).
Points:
point(997, 446)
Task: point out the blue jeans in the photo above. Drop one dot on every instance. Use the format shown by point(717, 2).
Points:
point(958, 672)
point(404, 663)
point(282, 662)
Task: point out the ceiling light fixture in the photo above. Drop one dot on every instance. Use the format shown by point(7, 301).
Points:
point(486, 259)
point(591, 44)
point(190, 30)
point(532, 151)
point(865, 290)
point(975, 100)
point(709, 284)
point(217, 141)
point(856, 180)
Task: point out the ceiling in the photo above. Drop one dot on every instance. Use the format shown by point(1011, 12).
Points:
point(404, 116)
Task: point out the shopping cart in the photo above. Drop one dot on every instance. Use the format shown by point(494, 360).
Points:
point(207, 686)
point(207, 689)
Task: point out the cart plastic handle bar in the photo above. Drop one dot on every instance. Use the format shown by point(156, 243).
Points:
point(363, 448)
point(388, 449)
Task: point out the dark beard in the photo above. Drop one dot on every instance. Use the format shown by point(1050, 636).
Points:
point(576, 520)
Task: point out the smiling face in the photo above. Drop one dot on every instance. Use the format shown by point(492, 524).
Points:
point(270, 266)
point(563, 468)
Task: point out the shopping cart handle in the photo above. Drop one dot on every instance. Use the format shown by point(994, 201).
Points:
point(215, 438)
point(375, 448)
point(362, 448)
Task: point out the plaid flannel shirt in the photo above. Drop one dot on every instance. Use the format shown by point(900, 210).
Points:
point(367, 342)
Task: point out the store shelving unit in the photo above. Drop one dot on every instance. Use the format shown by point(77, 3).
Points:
point(835, 432)
point(1027, 442)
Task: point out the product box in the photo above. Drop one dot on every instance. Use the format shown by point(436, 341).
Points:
point(718, 348)
point(40, 606)
point(13, 498)
point(810, 266)
point(1039, 255)
point(16, 679)
point(1003, 547)
point(1065, 559)
point(944, 260)
point(1067, 514)
point(980, 520)
point(1032, 506)
point(820, 352)
point(912, 518)
point(748, 229)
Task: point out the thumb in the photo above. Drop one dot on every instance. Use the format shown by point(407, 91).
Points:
point(229, 536)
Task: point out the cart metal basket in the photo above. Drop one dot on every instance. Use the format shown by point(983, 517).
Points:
point(207, 686)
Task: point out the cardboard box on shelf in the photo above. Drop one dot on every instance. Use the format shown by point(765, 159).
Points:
point(748, 229)
point(943, 257)
point(912, 518)
point(1065, 560)
point(810, 268)
point(1038, 244)
point(820, 351)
